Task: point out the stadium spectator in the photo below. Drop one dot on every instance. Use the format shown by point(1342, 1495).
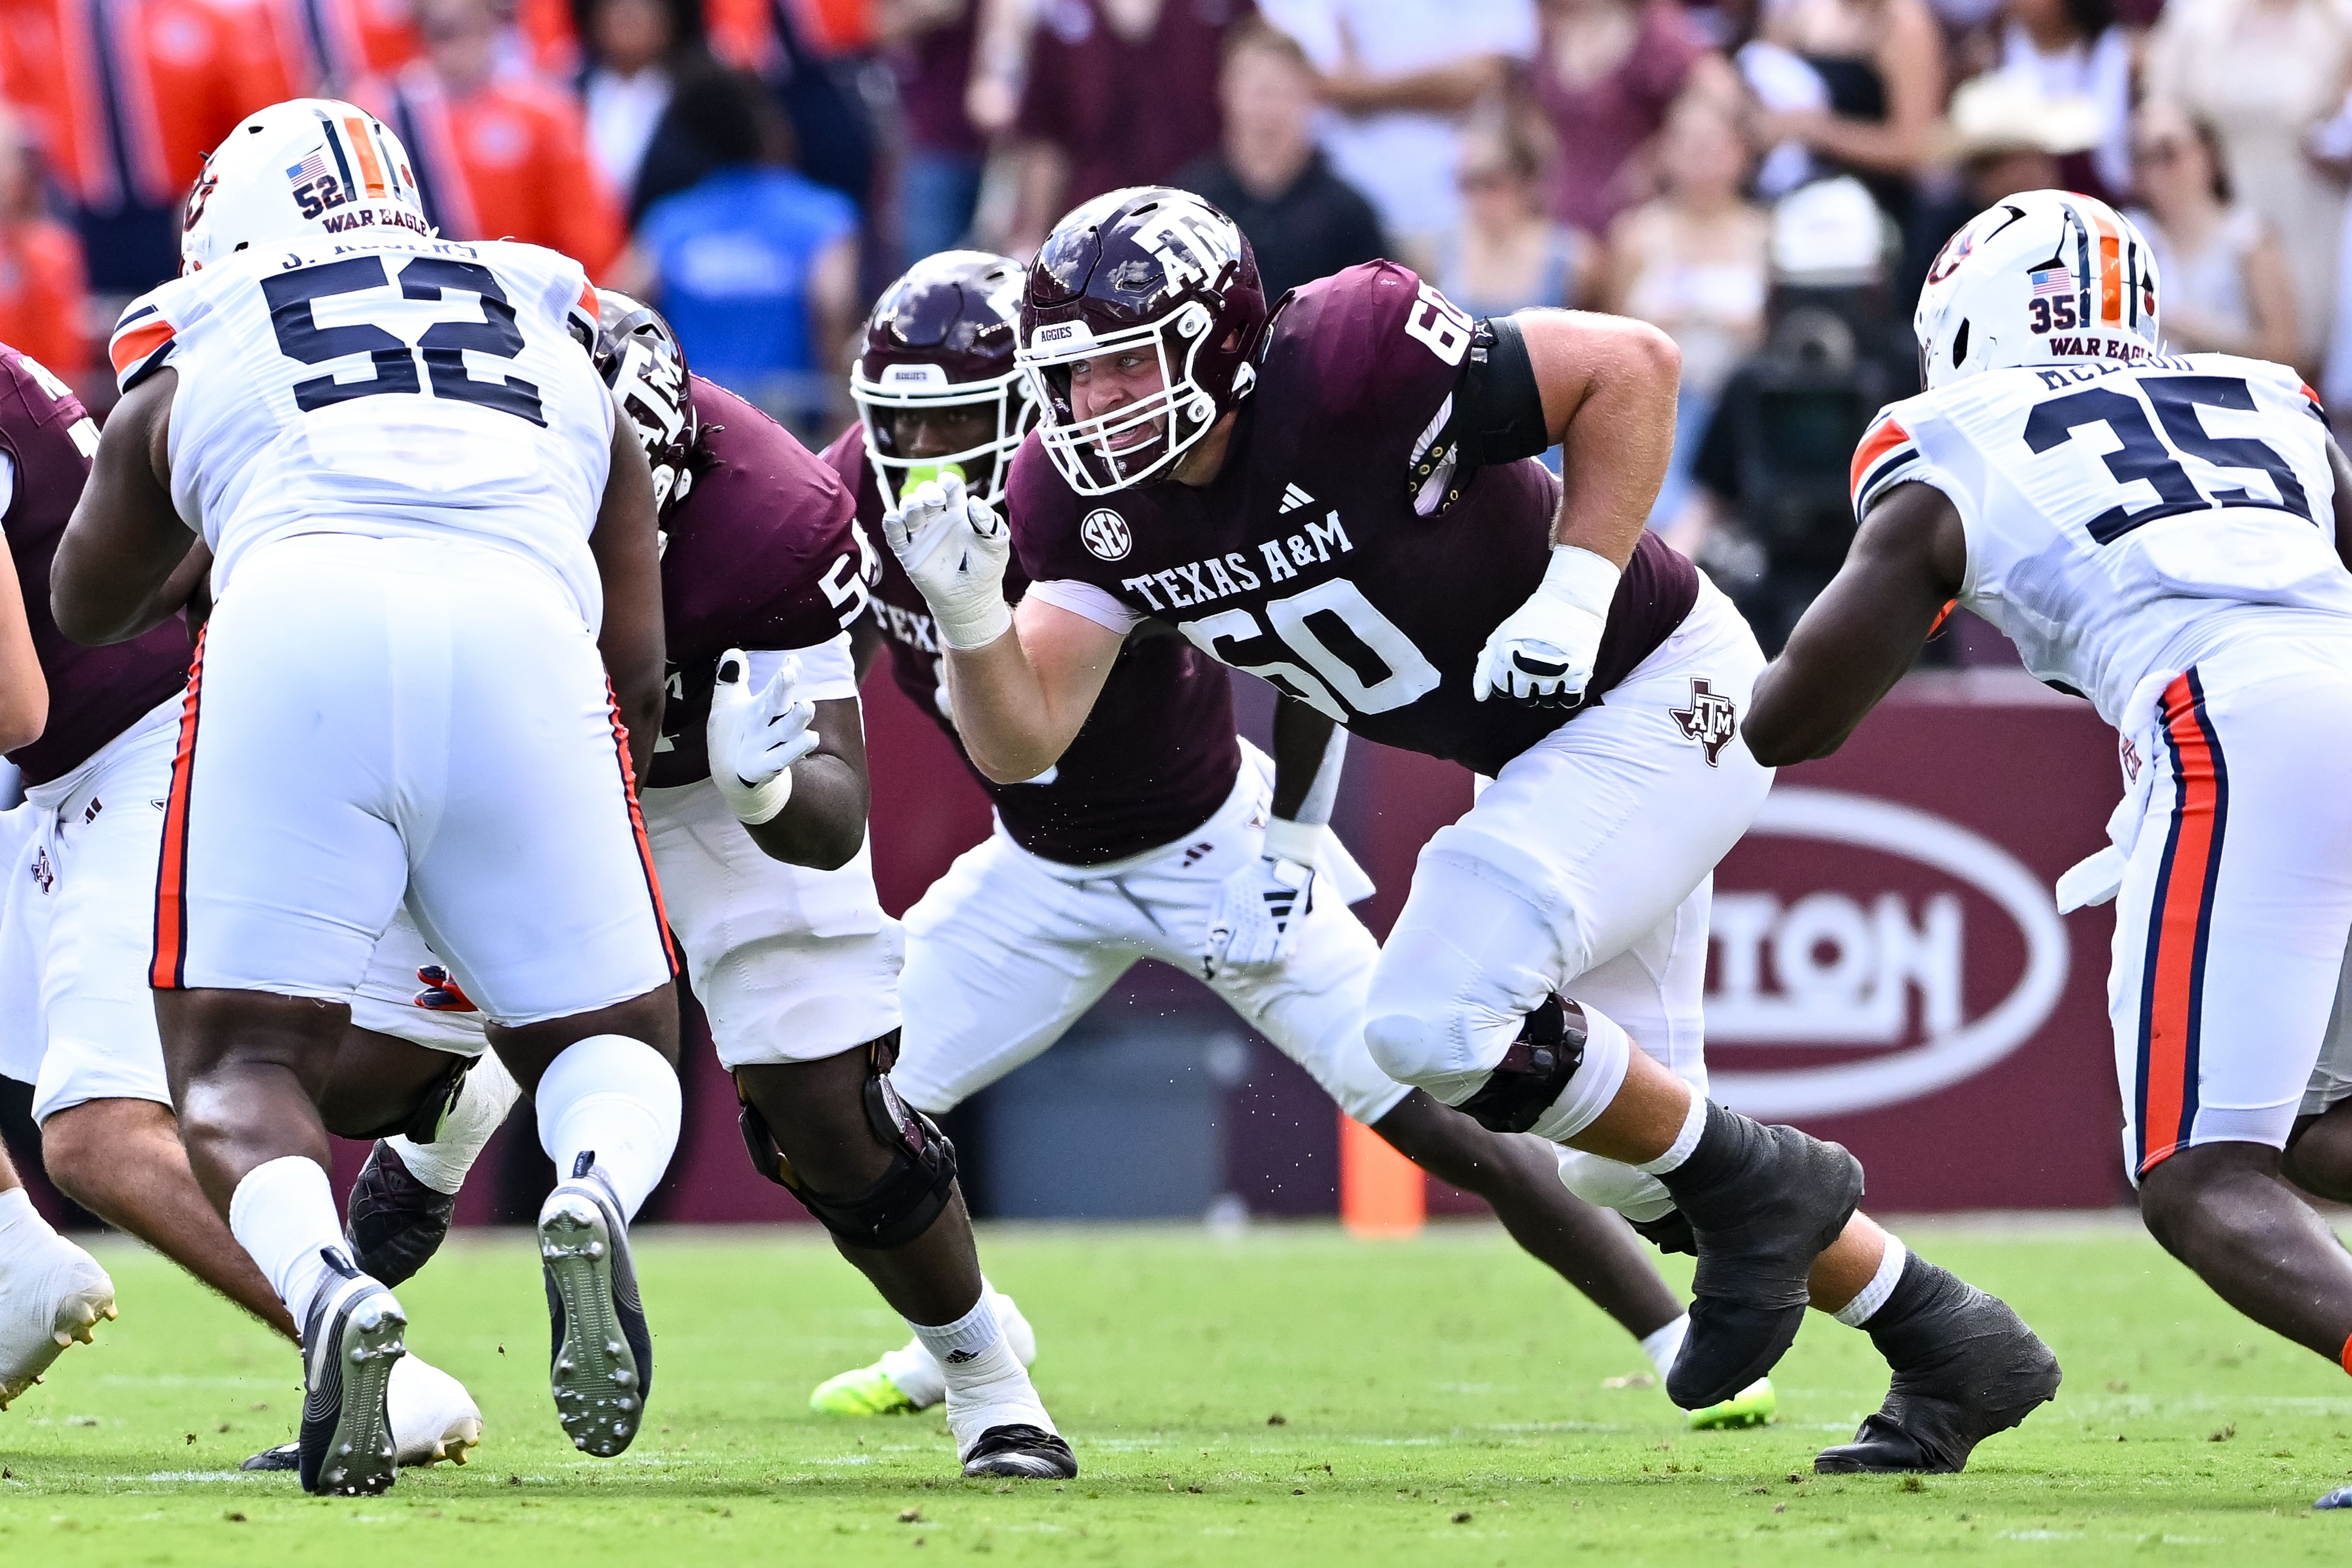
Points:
point(1510, 254)
point(330, 47)
point(2263, 73)
point(1120, 93)
point(756, 265)
point(1767, 509)
point(1303, 220)
point(128, 97)
point(496, 157)
point(1881, 65)
point(931, 54)
point(41, 295)
point(634, 53)
point(1400, 77)
point(2076, 48)
point(2002, 136)
point(1609, 74)
point(2226, 287)
point(1693, 262)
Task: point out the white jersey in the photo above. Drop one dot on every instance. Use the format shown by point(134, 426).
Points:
point(391, 386)
point(2123, 520)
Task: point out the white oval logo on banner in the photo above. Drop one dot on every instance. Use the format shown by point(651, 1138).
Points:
point(1105, 534)
point(1878, 956)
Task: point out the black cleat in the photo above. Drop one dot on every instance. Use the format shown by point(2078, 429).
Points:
point(285, 1456)
point(1763, 1203)
point(354, 1335)
point(1966, 1367)
point(397, 1223)
point(601, 1364)
point(1022, 1453)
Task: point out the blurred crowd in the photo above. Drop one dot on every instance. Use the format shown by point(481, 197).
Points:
point(1767, 180)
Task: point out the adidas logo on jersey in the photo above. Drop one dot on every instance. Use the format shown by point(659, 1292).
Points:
point(1293, 498)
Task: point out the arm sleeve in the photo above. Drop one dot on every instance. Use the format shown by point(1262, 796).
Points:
point(1498, 414)
point(828, 670)
point(1085, 599)
point(142, 343)
point(1886, 457)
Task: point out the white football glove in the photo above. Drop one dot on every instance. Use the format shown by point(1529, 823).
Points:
point(755, 737)
point(1544, 651)
point(954, 548)
point(1259, 910)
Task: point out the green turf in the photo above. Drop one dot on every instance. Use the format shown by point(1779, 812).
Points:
point(1441, 1401)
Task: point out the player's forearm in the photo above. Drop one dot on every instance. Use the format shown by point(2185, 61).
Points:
point(1609, 389)
point(824, 822)
point(1003, 711)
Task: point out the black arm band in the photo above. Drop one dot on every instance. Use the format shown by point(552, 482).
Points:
point(1498, 414)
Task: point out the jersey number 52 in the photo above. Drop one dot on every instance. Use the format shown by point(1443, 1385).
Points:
point(293, 298)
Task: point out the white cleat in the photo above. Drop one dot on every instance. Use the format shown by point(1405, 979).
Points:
point(601, 1357)
point(432, 1416)
point(52, 1294)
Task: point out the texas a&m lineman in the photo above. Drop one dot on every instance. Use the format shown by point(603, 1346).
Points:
point(434, 645)
point(2166, 536)
point(1158, 833)
point(756, 809)
point(1344, 500)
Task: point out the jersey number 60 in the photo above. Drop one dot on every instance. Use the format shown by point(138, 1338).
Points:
point(1365, 663)
point(293, 296)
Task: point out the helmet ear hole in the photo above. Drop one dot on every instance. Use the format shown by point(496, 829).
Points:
point(1959, 345)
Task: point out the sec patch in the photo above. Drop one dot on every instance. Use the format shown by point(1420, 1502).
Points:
point(1105, 535)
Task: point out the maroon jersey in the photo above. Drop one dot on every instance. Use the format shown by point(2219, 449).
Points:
point(764, 552)
point(1155, 760)
point(95, 693)
point(1306, 562)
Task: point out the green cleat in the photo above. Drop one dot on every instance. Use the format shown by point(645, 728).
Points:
point(1753, 1405)
point(868, 1391)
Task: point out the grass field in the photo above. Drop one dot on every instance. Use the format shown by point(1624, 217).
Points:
point(1441, 1401)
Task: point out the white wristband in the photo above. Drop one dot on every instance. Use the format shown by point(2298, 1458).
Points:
point(755, 804)
point(1579, 577)
point(965, 634)
point(1288, 840)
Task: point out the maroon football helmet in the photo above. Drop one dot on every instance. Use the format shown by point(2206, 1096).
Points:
point(640, 359)
point(1152, 268)
point(942, 338)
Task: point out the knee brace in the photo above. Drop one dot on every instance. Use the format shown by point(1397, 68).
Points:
point(1532, 1073)
point(901, 1204)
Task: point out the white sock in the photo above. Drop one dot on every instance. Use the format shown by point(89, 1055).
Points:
point(616, 1097)
point(953, 1344)
point(1856, 1312)
point(484, 1095)
point(21, 1225)
point(283, 1213)
point(1666, 1343)
point(1693, 1128)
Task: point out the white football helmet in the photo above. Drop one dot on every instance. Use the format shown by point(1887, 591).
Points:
point(298, 170)
point(2047, 277)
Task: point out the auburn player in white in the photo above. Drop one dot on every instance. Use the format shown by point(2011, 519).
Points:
point(2166, 536)
point(436, 641)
